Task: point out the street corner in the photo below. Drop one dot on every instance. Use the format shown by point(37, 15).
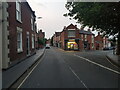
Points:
point(113, 59)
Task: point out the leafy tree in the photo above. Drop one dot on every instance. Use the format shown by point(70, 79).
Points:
point(104, 17)
point(41, 41)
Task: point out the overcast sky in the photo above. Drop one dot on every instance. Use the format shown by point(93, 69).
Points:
point(51, 12)
point(52, 16)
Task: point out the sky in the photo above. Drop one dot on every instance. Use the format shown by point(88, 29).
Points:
point(51, 12)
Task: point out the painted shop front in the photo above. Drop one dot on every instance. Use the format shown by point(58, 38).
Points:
point(72, 44)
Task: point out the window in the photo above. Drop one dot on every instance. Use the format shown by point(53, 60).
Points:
point(33, 42)
point(19, 40)
point(85, 37)
point(18, 10)
point(81, 36)
point(92, 45)
point(32, 22)
point(71, 33)
point(92, 39)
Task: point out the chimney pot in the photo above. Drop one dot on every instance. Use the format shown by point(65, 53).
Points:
point(89, 30)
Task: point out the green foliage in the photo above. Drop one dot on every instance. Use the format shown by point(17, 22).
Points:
point(100, 16)
point(41, 41)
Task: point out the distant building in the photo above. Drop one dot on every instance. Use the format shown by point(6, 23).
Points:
point(41, 38)
point(72, 38)
point(101, 42)
point(48, 41)
point(87, 38)
point(56, 39)
point(18, 32)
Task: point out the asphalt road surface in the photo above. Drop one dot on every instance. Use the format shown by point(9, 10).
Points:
point(70, 69)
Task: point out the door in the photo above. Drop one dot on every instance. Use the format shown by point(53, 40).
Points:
point(28, 45)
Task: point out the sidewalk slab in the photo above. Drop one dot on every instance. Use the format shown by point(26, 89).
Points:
point(11, 75)
point(115, 59)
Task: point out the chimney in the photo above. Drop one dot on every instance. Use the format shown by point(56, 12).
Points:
point(64, 27)
point(89, 30)
point(75, 25)
point(98, 33)
point(82, 28)
point(40, 30)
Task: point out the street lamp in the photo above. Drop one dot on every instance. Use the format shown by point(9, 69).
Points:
point(39, 17)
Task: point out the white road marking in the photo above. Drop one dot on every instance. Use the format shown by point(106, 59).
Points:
point(97, 64)
point(111, 63)
point(28, 75)
point(78, 78)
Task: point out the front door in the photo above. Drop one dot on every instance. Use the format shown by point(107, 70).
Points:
point(28, 44)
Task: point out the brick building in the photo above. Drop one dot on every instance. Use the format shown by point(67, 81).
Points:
point(101, 42)
point(72, 38)
point(19, 32)
point(56, 39)
point(41, 38)
point(87, 38)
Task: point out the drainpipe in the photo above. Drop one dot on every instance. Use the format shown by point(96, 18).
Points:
point(5, 33)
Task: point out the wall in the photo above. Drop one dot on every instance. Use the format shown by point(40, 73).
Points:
point(26, 28)
point(5, 33)
point(1, 46)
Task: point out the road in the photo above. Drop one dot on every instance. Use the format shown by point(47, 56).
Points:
point(71, 69)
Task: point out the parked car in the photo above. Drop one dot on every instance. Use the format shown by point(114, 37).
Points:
point(47, 46)
point(106, 48)
point(109, 48)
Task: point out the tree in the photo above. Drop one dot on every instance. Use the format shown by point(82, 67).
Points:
point(104, 17)
point(42, 41)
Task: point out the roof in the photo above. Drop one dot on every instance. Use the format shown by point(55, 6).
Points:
point(57, 33)
point(33, 12)
point(86, 32)
point(71, 26)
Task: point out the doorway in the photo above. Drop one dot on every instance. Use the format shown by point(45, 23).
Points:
point(28, 44)
point(72, 46)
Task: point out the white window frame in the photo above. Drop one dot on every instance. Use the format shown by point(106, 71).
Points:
point(19, 47)
point(71, 30)
point(85, 37)
point(92, 38)
point(32, 22)
point(18, 10)
point(33, 41)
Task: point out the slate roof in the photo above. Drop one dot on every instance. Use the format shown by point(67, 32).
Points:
point(86, 32)
point(57, 33)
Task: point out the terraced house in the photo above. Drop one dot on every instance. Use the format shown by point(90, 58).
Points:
point(73, 38)
point(18, 33)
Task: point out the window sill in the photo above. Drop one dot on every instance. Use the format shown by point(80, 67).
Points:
point(19, 21)
point(19, 51)
point(33, 48)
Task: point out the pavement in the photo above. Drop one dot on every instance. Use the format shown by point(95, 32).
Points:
point(115, 59)
point(12, 74)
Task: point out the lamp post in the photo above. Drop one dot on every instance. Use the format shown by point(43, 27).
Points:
point(36, 36)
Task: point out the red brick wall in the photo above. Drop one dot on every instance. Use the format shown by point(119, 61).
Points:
point(100, 39)
point(41, 34)
point(62, 39)
point(25, 25)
